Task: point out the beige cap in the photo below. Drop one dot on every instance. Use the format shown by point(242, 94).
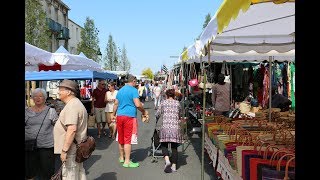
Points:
point(72, 85)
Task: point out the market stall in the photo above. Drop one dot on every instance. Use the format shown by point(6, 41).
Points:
point(36, 57)
point(250, 41)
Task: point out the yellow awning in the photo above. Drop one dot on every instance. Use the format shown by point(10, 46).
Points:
point(230, 9)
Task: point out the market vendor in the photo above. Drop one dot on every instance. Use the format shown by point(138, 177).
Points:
point(280, 101)
point(221, 96)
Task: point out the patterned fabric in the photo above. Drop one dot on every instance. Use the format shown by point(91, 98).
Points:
point(170, 130)
point(266, 86)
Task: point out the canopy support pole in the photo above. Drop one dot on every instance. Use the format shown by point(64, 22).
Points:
point(270, 85)
point(230, 77)
point(204, 109)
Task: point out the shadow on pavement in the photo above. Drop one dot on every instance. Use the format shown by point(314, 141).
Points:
point(108, 176)
point(92, 159)
point(181, 159)
point(208, 169)
point(101, 143)
point(138, 155)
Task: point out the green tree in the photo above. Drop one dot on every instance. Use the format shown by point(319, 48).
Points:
point(205, 24)
point(111, 59)
point(36, 29)
point(148, 73)
point(124, 64)
point(206, 21)
point(90, 41)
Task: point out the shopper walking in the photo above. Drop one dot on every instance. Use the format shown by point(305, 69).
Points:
point(170, 131)
point(39, 122)
point(71, 125)
point(125, 107)
point(99, 105)
point(157, 95)
point(109, 99)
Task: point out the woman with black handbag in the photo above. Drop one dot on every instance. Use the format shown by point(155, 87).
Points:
point(39, 123)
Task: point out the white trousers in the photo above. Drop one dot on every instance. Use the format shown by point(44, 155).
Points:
point(72, 170)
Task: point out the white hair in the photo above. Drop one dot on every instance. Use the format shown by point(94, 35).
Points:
point(39, 90)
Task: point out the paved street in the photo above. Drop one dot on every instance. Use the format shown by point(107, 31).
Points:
point(104, 165)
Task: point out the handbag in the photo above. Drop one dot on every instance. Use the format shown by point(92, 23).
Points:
point(31, 144)
point(58, 174)
point(91, 120)
point(84, 148)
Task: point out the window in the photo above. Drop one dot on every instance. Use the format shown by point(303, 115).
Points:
point(77, 34)
point(57, 14)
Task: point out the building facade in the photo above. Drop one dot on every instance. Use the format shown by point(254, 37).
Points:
point(75, 36)
point(57, 20)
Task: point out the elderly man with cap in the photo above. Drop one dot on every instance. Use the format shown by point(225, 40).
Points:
point(72, 124)
point(125, 107)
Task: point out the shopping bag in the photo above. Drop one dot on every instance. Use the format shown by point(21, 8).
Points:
point(58, 174)
point(91, 120)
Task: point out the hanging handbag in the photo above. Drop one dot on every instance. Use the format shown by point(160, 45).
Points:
point(84, 148)
point(31, 145)
point(194, 81)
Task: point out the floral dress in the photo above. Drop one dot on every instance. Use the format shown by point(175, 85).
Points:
point(170, 130)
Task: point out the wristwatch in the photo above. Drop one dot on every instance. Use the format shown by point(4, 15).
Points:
point(64, 151)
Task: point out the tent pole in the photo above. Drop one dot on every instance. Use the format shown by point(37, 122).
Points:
point(204, 109)
point(183, 100)
point(270, 85)
point(230, 77)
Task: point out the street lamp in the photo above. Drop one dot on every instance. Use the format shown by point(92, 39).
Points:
point(60, 35)
point(99, 53)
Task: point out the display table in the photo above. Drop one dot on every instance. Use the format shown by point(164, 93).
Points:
point(223, 167)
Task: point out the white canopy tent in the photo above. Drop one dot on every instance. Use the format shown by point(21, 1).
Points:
point(255, 35)
point(35, 56)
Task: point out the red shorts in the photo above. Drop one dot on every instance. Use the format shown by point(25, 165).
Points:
point(124, 128)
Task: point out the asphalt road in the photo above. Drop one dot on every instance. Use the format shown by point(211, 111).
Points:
point(104, 165)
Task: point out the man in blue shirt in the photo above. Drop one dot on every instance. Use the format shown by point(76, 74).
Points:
point(125, 107)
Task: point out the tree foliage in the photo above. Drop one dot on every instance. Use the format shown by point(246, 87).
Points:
point(205, 24)
point(124, 64)
point(36, 29)
point(206, 21)
point(90, 41)
point(148, 73)
point(112, 58)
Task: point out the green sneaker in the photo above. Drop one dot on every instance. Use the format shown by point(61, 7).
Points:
point(121, 161)
point(131, 165)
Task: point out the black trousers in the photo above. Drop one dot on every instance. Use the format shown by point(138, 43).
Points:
point(174, 149)
point(39, 163)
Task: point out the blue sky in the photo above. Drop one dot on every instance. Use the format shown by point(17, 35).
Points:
point(151, 31)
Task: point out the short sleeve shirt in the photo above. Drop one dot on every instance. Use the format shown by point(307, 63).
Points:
point(99, 95)
point(109, 106)
point(74, 112)
point(126, 106)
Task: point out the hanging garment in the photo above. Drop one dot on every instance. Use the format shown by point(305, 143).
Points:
point(238, 75)
point(284, 79)
point(266, 86)
point(293, 76)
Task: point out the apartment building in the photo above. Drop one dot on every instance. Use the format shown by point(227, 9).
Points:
point(58, 22)
point(75, 36)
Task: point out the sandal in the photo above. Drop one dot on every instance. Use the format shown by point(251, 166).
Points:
point(121, 161)
point(98, 136)
point(131, 165)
